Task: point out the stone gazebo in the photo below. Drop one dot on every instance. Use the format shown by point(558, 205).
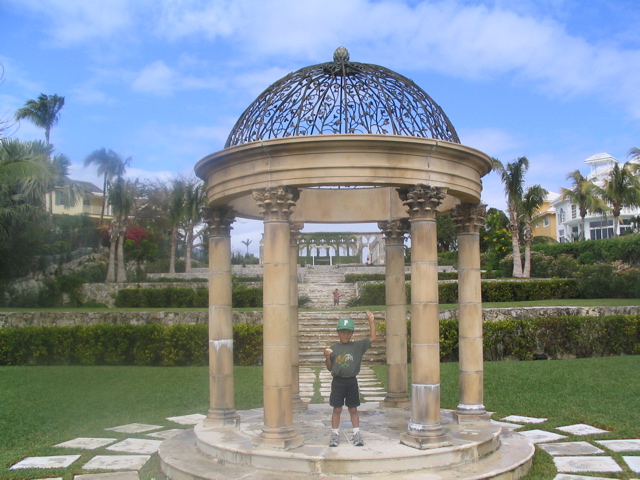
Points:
point(345, 142)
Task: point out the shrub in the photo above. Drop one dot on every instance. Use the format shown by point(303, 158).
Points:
point(595, 280)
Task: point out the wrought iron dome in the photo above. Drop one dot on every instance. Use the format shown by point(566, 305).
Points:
point(342, 97)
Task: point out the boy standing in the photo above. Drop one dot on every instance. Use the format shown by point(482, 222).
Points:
point(343, 361)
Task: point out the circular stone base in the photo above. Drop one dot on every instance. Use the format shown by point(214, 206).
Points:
point(480, 450)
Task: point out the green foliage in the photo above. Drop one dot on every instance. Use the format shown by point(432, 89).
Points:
point(243, 297)
point(544, 266)
point(625, 249)
point(143, 345)
point(172, 297)
point(492, 291)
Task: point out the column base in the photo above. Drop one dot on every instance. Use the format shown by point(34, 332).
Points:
point(395, 400)
point(222, 417)
point(298, 404)
point(281, 438)
point(471, 414)
point(426, 442)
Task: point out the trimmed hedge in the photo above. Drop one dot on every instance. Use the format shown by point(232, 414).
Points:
point(494, 291)
point(159, 345)
point(625, 249)
point(171, 297)
point(143, 345)
point(556, 337)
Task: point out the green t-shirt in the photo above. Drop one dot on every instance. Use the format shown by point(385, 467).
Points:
point(347, 357)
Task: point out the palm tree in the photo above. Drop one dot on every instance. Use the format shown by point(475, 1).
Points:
point(43, 112)
point(247, 242)
point(531, 202)
point(26, 175)
point(512, 176)
point(122, 199)
point(176, 211)
point(110, 165)
point(621, 189)
point(583, 193)
point(194, 201)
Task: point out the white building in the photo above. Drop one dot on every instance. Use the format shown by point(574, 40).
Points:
point(597, 226)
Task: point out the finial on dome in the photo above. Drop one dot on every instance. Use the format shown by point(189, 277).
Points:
point(341, 55)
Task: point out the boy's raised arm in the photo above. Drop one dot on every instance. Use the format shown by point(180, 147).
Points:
point(372, 326)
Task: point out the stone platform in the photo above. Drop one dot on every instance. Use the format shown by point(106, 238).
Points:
point(478, 451)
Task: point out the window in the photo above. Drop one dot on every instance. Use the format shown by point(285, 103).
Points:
point(573, 212)
point(601, 229)
point(561, 216)
point(546, 221)
point(58, 197)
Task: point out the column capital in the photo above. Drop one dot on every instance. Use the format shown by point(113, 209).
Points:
point(294, 233)
point(275, 203)
point(219, 220)
point(469, 217)
point(395, 230)
point(422, 200)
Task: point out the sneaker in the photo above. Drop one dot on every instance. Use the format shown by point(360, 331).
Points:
point(357, 440)
point(334, 440)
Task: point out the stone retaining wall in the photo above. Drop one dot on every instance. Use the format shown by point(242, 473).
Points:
point(22, 319)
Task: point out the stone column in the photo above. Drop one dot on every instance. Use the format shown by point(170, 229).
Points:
point(425, 430)
point(275, 204)
point(221, 406)
point(469, 218)
point(397, 375)
point(294, 232)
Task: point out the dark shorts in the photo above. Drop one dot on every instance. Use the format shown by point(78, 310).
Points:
point(344, 391)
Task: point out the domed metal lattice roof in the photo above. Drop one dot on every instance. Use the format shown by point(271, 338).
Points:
point(342, 97)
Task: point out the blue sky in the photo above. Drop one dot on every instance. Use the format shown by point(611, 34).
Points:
point(163, 81)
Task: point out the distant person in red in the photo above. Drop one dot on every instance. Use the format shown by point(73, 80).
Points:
point(336, 297)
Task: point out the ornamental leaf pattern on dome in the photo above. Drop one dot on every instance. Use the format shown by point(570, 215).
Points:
point(342, 97)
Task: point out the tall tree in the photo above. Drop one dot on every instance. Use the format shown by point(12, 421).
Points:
point(176, 203)
point(194, 202)
point(246, 243)
point(43, 112)
point(621, 189)
point(531, 202)
point(122, 199)
point(110, 165)
point(512, 176)
point(583, 193)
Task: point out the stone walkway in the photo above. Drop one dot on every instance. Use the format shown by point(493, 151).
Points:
point(572, 458)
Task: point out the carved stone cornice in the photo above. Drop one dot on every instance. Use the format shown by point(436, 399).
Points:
point(275, 203)
point(468, 217)
point(294, 233)
point(394, 231)
point(219, 220)
point(422, 200)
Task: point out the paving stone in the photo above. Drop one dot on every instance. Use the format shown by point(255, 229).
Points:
point(108, 476)
point(136, 445)
point(187, 419)
point(165, 433)
point(521, 419)
point(51, 461)
point(117, 462)
point(50, 478)
point(570, 448)
point(586, 464)
point(633, 462)
point(507, 425)
point(134, 428)
point(86, 443)
point(623, 445)
point(567, 476)
point(539, 436)
point(581, 429)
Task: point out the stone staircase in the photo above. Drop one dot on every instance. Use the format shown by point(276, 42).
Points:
point(317, 331)
point(318, 283)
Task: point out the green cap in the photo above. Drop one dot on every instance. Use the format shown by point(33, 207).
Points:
point(345, 324)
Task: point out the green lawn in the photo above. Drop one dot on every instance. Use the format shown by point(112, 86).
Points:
point(42, 406)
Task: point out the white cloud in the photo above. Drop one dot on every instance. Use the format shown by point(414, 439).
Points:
point(71, 22)
point(493, 142)
point(156, 78)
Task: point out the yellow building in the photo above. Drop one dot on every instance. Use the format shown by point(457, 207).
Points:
point(544, 223)
point(90, 203)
